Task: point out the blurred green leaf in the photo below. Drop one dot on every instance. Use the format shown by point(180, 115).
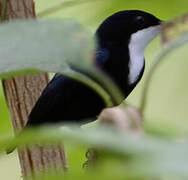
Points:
point(112, 95)
point(109, 100)
point(61, 5)
point(147, 155)
point(98, 10)
point(4, 115)
point(46, 45)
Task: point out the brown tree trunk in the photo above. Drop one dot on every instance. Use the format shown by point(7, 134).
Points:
point(21, 94)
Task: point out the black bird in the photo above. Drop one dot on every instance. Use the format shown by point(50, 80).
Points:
point(122, 39)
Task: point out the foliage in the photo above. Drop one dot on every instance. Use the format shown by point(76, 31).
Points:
point(92, 12)
point(66, 43)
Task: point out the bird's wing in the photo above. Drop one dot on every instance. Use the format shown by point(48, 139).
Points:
point(66, 100)
point(51, 102)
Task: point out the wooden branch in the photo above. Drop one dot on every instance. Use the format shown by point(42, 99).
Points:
point(171, 30)
point(21, 94)
point(127, 119)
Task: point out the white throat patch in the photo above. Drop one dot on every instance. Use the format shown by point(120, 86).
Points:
point(137, 45)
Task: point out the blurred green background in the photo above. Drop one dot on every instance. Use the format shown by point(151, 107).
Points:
point(167, 103)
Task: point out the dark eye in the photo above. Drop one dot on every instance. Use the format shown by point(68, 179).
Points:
point(140, 20)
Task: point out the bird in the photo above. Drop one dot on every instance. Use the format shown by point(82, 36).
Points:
point(121, 40)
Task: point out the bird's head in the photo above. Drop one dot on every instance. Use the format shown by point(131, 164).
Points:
point(121, 26)
point(122, 39)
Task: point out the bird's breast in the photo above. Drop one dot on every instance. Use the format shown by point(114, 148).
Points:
point(136, 65)
point(136, 62)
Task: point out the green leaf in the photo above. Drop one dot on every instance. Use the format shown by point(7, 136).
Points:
point(108, 99)
point(100, 9)
point(148, 155)
point(61, 5)
point(46, 45)
point(113, 96)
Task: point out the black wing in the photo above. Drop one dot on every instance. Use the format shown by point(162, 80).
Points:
point(65, 100)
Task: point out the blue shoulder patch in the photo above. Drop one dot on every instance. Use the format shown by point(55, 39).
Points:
point(102, 56)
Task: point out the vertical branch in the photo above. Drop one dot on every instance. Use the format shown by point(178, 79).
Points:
point(21, 94)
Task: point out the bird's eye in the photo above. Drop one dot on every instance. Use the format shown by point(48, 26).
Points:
point(140, 20)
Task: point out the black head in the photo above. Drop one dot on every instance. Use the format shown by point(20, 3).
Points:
point(121, 25)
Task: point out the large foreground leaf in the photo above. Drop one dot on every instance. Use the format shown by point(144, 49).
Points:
point(46, 45)
point(151, 155)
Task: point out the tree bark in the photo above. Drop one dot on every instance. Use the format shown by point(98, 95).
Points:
point(21, 94)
